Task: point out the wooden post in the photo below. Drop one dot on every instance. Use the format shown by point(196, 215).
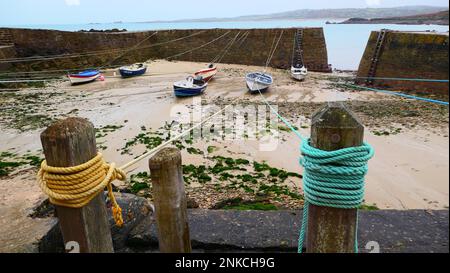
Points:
point(332, 230)
point(69, 143)
point(170, 201)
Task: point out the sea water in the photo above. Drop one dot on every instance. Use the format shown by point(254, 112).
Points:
point(345, 43)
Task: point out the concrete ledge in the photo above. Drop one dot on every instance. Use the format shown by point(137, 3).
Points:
point(409, 231)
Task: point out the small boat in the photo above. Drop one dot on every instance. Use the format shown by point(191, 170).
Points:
point(190, 87)
point(137, 69)
point(84, 76)
point(299, 73)
point(258, 82)
point(208, 73)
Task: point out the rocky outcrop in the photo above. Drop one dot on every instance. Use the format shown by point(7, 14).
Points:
point(439, 18)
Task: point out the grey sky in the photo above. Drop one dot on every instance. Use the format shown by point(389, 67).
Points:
point(19, 12)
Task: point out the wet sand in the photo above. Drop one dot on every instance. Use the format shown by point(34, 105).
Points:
point(409, 171)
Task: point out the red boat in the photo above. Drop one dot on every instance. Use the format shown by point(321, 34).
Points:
point(207, 74)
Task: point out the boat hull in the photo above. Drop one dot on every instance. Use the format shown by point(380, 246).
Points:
point(255, 87)
point(125, 73)
point(258, 82)
point(207, 74)
point(298, 77)
point(188, 92)
point(299, 73)
point(74, 79)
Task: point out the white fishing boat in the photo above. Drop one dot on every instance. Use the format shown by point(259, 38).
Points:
point(299, 73)
point(208, 73)
point(258, 82)
point(84, 77)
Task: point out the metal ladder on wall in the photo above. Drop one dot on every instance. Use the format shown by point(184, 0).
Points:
point(376, 56)
point(297, 58)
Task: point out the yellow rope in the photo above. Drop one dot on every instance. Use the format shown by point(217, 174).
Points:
point(75, 187)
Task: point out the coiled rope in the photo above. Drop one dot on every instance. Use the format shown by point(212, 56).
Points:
point(331, 178)
point(75, 187)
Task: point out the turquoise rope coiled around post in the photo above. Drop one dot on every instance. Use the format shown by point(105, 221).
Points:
point(333, 179)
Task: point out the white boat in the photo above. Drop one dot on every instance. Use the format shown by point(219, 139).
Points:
point(208, 73)
point(258, 82)
point(299, 73)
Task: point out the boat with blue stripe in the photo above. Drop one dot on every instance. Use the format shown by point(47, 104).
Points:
point(190, 87)
point(84, 77)
point(134, 70)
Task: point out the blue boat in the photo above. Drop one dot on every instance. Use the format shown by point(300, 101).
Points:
point(190, 87)
point(137, 69)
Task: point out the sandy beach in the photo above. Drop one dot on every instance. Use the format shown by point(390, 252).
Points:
point(410, 169)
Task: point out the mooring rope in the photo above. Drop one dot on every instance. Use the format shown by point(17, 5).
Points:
point(93, 53)
point(223, 53)
point(75, 187)
point(392, 79)
point(398, 94)
point(330, 178)
point(201, 46)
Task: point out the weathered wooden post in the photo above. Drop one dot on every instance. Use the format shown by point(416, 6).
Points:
point(170, 201)
point(332, 230)
point(67, 143)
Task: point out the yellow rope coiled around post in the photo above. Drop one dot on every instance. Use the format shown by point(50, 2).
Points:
point(75, 187)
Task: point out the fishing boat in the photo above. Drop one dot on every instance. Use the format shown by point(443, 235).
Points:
point(208, 73)
point(258, 82)
point(137, 69)
point(299, 73)
point(190, 87)
point(298, 68)
point(84, 76)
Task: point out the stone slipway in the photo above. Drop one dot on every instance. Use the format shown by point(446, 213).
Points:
point(409, 231)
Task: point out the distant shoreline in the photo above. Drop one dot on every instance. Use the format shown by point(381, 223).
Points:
point(439, 18)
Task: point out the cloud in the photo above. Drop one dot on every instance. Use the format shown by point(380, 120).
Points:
point(72, 2)
point(372, 3)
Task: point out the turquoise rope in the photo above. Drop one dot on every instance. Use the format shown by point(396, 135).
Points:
point(398, 94)
point(403, 79)
point(331, 178)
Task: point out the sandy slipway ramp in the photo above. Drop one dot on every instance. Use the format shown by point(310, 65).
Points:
point(273, 231)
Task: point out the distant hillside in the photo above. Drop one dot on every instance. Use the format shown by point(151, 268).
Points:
point(329, 14)
point(439, 18)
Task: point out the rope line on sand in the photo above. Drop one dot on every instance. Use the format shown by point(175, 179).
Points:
point(153, 151)
point(398, 94)
point(392, 79)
